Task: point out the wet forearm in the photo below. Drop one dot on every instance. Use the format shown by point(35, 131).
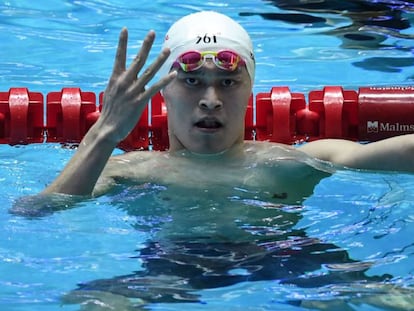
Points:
point(83, 170)
point(392, 154)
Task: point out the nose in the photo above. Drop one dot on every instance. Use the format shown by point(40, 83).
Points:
point(210, 100)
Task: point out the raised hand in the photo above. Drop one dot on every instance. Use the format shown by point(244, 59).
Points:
point(126, 94)
point(124, 100)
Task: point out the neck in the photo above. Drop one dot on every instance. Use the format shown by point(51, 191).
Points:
point(235, 150)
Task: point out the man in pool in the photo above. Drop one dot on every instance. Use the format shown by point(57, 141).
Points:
point(207, 70)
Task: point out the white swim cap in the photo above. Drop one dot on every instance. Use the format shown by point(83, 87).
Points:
point(208, 31)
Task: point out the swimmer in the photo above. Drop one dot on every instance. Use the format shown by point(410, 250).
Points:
point(207, 70)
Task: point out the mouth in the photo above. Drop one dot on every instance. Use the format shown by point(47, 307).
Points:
point(209, 124)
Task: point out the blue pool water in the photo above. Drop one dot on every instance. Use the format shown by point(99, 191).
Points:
point(368, 217)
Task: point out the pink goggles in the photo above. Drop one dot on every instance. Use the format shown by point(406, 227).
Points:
point(224, 59)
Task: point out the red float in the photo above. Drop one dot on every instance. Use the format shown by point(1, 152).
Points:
point(69, 115)
point(21, 117)
point(385, 112)
point(368, 114)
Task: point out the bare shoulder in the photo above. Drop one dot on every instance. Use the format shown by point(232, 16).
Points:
point(135, 165)
point(291, 157)
point(131, 164)
point(132, 156)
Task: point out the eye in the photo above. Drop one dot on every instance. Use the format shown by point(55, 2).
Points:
point(192, 81)
point(227, 82)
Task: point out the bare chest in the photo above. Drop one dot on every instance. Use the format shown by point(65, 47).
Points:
point(284, 180)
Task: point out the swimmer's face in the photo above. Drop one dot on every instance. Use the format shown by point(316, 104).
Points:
point(206, 108)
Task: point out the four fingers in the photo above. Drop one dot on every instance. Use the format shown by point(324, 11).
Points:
point(126, 90)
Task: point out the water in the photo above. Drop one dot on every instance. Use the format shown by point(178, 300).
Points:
point(49, 45)
point(82, 38)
